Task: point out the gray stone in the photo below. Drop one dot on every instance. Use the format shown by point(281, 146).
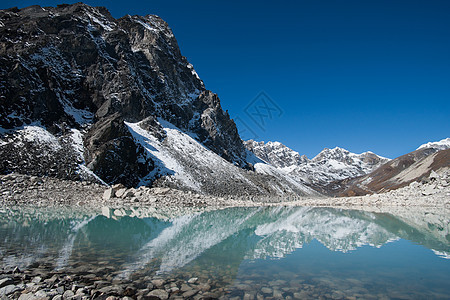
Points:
point(60, 290)
point(68, 294)
point(36, 279)
point(266, 290)
point(277, 294)
point(7, 290)
point(108, 194)
point(121, 192)
point(301, 295)
point(429, 190)
point(158, 282)
point(112, 289)
point(248, 296)
point(204, 287)
point(189, 293)
point(6, 281)
point(193, 280)
point(161, 294)
point(185, 287)
point(57, 297)
point(28, 296)
point(41, 294)
point(129, 193)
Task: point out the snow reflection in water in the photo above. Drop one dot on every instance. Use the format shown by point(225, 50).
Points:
point(321, 245)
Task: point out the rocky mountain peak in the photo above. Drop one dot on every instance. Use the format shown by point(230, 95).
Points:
point(329, 165)
point(74, 67)
point(439, 145)
point(276, 153)
point(337, 153)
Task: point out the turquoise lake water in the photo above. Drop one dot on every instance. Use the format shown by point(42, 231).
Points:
point(281, 252)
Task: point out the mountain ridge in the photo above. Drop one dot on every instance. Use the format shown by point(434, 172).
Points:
point(73, 79)
point(327, 166)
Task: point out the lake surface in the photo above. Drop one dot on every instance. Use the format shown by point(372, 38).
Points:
point(278, 252)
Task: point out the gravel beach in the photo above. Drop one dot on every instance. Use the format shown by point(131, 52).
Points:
point(17, 189)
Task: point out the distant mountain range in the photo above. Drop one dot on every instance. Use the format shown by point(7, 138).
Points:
point(328, 166)
point(340, 172)
point(85, 96)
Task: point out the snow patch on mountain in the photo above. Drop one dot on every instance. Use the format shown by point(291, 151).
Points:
point(62, 153)
point(440, 145)
point(181, 161)
point(329, 165)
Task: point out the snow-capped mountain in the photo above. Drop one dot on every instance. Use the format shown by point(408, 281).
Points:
point(328, 166)
point(275, 153)
point(86, 96)
point(439, 145)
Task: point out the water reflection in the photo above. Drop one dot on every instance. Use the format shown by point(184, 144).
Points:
point(170, 242)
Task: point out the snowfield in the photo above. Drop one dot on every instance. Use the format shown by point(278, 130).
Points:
point(186, 163)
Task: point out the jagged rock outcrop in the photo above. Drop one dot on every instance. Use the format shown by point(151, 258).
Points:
point(112, 154)
point(76, 67)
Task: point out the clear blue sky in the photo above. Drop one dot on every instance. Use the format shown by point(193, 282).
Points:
point(362, 75)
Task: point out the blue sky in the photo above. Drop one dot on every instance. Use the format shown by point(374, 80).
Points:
point(362, 75)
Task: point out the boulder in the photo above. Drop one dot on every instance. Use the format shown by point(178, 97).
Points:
point(6, 281)
point(159, 293)
point(108, 194)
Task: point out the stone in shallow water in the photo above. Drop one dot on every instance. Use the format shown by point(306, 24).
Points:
point(301, 295)
point(193, 280)
point(158, 282)
point(185, 287)
point(277, 294)
point(161, 294)
point(266, 290)
point(189, 293)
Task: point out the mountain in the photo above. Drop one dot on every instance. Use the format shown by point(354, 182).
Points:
point(399, 172)
point(439, 145)
point(328, 166)
point(275, 153)
point(86, 96)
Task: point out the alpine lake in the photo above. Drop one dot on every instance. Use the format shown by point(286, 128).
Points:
point(236, 253)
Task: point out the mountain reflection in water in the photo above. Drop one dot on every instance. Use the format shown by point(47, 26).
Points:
point(238, 241)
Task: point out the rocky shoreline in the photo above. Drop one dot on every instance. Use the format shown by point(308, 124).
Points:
point(42, 280)
point(19, 189)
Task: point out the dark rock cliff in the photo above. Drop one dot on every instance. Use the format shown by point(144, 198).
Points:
point(76, 67)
